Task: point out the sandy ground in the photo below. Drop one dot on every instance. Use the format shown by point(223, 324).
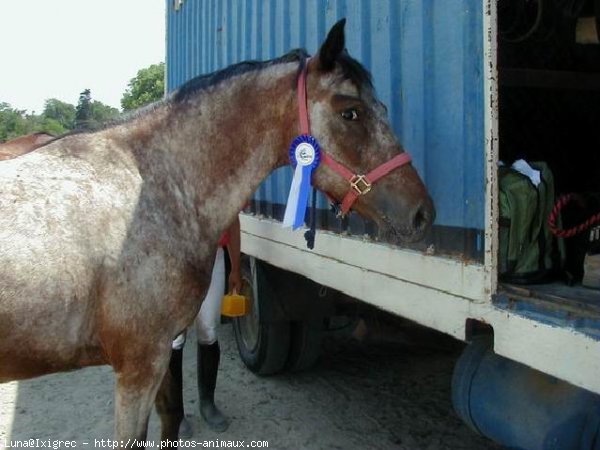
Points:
point(374, 395)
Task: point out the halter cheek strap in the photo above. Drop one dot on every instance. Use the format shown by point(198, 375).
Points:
point(359, 184)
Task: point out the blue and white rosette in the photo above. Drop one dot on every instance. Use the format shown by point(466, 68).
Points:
point(305, 155)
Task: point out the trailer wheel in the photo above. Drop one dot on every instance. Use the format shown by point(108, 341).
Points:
point(263, 346)
point(305, 345)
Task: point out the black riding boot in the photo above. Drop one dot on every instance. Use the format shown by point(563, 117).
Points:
point(169, 400)
point(208, 365)
point(176, 367)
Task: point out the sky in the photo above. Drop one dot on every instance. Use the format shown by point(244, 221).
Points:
point(58, 48)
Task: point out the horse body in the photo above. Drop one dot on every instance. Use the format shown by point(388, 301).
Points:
point(71, 223)
point(107, 239)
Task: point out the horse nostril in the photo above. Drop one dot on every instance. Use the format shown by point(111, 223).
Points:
point(421, 218)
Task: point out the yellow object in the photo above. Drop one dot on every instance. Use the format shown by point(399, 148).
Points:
point(235, 305)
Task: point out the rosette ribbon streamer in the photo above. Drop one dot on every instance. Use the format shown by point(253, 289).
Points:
point(305, 155)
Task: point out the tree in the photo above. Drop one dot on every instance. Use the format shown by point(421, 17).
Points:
point(13, 122)
point(59, 114)
point(58, 117)
point(51, 126)
point(83, 111)
point(148, 86)
point(91, 114)
point(101, 113)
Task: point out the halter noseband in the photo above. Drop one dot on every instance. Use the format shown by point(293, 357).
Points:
point(359, 184)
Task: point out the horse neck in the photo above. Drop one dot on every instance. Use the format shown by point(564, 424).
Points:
point(216, 147)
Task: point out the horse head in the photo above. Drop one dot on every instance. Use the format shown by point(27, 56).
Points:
point(351, 126)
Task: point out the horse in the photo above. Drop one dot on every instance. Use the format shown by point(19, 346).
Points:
point(23, 144)
point(107, 238)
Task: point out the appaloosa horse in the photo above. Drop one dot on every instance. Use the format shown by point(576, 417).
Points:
point(107, 238)
point(23, 144)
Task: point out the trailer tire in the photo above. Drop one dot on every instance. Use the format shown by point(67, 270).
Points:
point(263, 345)
point(305, 345)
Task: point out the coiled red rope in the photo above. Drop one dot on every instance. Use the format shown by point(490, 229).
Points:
point(561, 202)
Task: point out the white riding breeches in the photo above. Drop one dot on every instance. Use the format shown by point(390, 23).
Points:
point(208, 318)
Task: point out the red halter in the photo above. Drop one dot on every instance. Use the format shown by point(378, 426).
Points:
point(359, 184)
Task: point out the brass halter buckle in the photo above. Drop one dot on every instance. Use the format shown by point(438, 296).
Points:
point(360, 184)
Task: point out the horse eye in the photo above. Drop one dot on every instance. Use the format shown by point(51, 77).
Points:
point(350, 114)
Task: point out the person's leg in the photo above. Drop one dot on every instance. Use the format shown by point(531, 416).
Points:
point(208, 354)
point(169, 399)
point(175, 369)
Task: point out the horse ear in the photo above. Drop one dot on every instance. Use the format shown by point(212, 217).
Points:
point(332, 47)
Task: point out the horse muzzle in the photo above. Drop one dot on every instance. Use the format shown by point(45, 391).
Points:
point(398, 220)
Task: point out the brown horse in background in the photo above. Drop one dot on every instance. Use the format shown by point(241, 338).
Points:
point(108, 238)
point(23, 144)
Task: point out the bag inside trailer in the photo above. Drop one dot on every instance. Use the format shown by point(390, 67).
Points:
point(549, 125)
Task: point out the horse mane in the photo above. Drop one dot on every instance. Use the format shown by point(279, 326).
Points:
point(203, 82)
point(351, 70)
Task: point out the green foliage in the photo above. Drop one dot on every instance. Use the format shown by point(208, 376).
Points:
point(59, 114)
point(58, 118)
point(101, 113)
point(148, 86)
point(90, 114)
point(13, 122)
point(51, 126)
point(83, 111)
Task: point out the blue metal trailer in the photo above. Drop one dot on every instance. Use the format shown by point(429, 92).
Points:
point(434, 64)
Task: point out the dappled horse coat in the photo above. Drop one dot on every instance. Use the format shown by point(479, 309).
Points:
point(107, 238)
